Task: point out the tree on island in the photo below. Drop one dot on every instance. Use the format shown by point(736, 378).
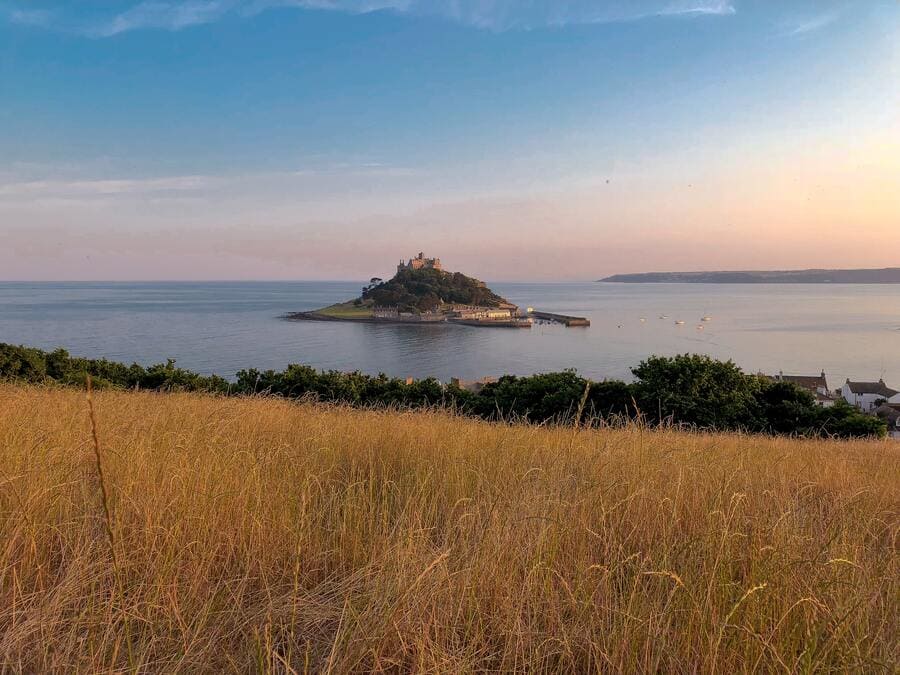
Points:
point(425, 290)
point(373, 282)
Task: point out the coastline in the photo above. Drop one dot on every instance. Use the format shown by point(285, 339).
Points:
point(884, 275)
point(317, 316)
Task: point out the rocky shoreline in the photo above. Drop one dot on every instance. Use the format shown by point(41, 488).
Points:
point(485, 323)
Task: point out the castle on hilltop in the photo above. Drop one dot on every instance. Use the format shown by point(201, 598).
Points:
point(420, 262)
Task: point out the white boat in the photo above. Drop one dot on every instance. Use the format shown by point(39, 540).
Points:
point(663, 316)
point(706, 318)
point(679, 323)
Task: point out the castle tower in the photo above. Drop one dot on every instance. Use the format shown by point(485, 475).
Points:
point(420, 262)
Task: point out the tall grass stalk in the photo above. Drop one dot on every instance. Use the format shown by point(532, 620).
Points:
point(98, 464)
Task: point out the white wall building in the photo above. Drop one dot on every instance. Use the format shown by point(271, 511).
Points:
point(867, 395)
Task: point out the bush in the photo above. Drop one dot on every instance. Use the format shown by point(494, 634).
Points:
point(685, 389)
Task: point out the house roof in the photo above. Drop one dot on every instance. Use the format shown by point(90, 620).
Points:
point(811, 382)
point(889, 412)
point(879, 388)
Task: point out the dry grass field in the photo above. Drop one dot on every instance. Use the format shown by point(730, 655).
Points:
point(252, 535)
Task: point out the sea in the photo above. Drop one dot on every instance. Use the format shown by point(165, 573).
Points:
point(848, 331)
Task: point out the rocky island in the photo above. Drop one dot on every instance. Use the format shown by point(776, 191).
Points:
point(422, 291)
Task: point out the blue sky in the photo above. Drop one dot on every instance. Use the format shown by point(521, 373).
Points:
point(517, 140)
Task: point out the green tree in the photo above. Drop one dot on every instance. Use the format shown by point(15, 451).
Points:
point(785, 408)
point(697, 390)
point(842, 420)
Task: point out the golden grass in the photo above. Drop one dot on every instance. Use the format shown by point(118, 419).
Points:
point(260, 535)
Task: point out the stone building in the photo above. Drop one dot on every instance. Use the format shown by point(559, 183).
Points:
point(477, 312)
point(420, 262)
point(386, 313)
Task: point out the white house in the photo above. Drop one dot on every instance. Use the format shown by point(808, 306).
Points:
point(866, 395)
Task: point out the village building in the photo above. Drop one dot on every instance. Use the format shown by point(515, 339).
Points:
point(471, 312)
point(385, 313)
point(474, 386)
point(420, 262)
point(394, 314)
point(867, 395)
point(817, 385)
point(890, 413)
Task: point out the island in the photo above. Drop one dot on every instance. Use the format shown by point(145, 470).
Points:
point(886, 275)
point(423, 292)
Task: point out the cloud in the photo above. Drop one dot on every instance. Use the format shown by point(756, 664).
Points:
point(105, 187)
point(32, 17)
point(171, 16)
point(712, 8)
point(30, 188)
point(493, 15)
point(809, 25)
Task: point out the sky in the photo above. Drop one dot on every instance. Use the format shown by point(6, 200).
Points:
point(516, 140)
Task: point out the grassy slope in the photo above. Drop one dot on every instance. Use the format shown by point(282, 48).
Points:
point(347, 310)
point(251, 534)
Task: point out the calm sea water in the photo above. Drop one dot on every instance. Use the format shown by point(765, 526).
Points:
point(849, 331)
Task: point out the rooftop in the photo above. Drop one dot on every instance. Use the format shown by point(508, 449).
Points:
point(805, 381)
point(879, 388)
point(889, 412)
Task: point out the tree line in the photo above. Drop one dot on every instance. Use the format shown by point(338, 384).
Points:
point(689, 389)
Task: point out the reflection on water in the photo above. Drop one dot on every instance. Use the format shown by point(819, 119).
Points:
point(223, 327)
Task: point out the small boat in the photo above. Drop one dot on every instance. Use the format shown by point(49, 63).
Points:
point(706, 318)
point(679, 323)
point(643, 319)
point(700, 326)
point(663, 316)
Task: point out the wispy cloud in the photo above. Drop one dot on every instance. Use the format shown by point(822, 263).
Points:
point(31, 188)
point(809, 24)
point(164, 15)
point(43, 18)
point(721, 8)
point(104, 187)
point(494, 15)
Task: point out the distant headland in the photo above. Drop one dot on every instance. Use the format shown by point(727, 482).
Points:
point(886, 275)
point(422, 291)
